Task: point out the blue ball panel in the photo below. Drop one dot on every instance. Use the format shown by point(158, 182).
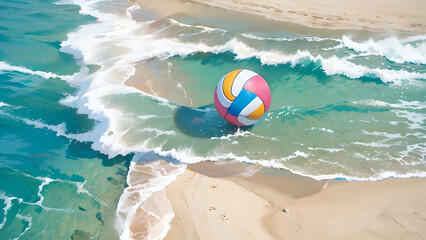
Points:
point(243, 99)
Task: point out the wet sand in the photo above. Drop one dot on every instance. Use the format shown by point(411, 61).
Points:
point(252, 207)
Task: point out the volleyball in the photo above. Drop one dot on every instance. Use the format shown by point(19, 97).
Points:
point(242, 97)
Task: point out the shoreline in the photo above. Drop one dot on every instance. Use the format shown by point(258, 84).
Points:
point(251, 207)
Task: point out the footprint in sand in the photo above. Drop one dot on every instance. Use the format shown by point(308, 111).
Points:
point(223, 217)
point(212, 208)
point(213, 186)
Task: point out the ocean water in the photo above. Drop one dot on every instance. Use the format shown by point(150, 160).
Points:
point(51, 183)
point(90, 90)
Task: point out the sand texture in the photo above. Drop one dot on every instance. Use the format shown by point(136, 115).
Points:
point(406, 15)
point(252, 208)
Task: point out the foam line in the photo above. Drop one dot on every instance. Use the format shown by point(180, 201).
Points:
point(46, 75)
point(46, 181)
point(8, 202)
point(25, 218)
point(143, 180)
point(204, 28)
point(289, 39)
point(408, 50)
point(2, 104)
point(402, 104)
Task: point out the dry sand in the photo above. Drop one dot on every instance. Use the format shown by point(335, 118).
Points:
point(343, 14)
point(408, 15)
point(251, 208)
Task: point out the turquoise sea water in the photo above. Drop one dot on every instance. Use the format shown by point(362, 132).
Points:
point(50, 185)
point(86, 86)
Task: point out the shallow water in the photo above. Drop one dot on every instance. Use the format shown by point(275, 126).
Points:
point(87, 85)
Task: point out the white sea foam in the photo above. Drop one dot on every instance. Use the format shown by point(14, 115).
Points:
point(60, 130)
point(27, 219)
point(377, 144)
point(375, 177)
point(401, 104)
point(157, 132)
point(378, 177)
point(45, 182)
point(241, 133)
point(46, 75)
point(165, 48)
point(410, 50)
point(106, 81)
point(279, 165)
point(150, 116)
point(204, 28)
point(238, 133)
point(290, 39)
point(21, 201)
point(331, 66)
point(81, 189)
point(415, 120)
point(383, 134)
point(2, 104)
point(331, 163)
point(132, 8)
point(143, 180)
point(296, 154)
point(332, 150)
point(322, 129)
point(70, 101)
point(335, 65)
point(405, 156)
point(8, 202)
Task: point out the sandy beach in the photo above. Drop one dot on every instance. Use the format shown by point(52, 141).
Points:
point(252, 207)
point(346, 14)
point(377, 15)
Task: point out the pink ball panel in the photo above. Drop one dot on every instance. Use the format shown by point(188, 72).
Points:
point(220, 109)
point(258, 86)
point(233, 119)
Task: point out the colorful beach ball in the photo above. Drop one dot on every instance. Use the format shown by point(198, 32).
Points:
point(242, 97)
